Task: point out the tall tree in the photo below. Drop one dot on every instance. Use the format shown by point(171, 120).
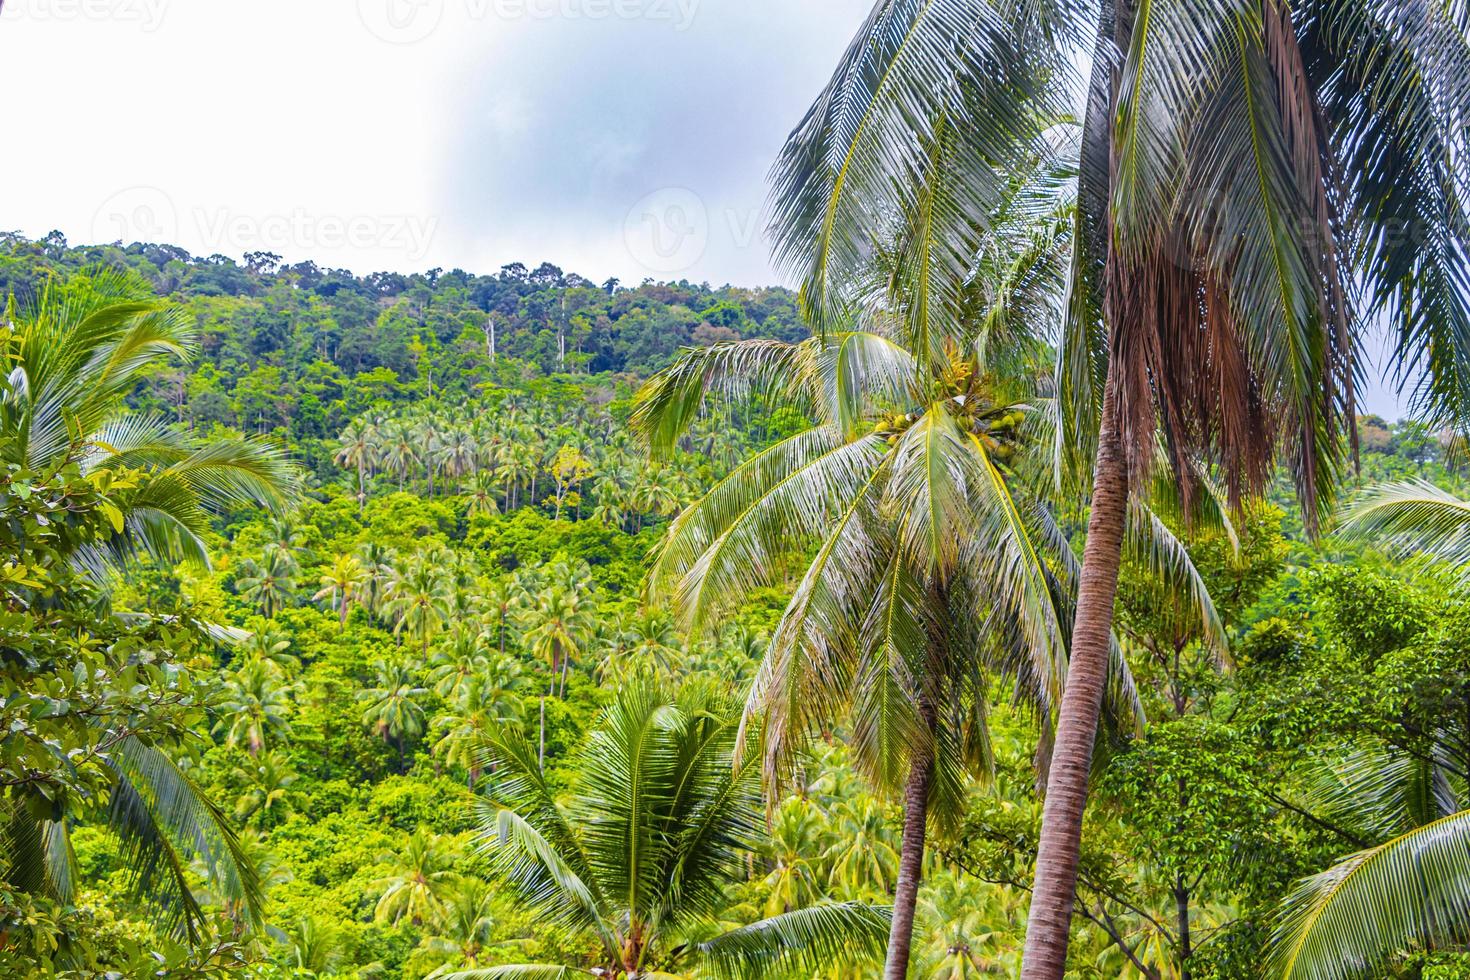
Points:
point(1243, 182)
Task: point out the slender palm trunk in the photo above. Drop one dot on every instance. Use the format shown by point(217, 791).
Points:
point(541, 750)
point(361, 488)
point(1048, 928)
point(911, 858)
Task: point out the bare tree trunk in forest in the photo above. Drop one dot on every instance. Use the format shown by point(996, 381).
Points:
point(911, 857)
point(1048, 928)
point(1186, 945)
point(541, 751)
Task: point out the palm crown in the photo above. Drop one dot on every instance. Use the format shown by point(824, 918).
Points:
point(639, 860)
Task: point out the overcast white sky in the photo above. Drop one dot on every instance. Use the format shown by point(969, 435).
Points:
point(626, 138)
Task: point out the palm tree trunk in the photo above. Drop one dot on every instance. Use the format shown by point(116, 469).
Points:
point(541, 751)
point(1049, 926)
point(911, 856)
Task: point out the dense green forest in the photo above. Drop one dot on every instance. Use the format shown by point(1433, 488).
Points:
point(327, 728)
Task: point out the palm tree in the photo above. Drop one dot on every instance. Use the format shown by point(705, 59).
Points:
point(457, 661)
point(378, 561)
point(266, 799)
point(315, 945)
point(392, 709)
point(465, 924)
point(358, 450)
point(417, 877)
point(257, 704)
point(1414, 517)
point(401, 450)
point(1404, 893)
point(270, 584)
point(640, 858)
point(931, 576)
point(268, 641)
point(486, 700)
point(557, 625)
point(418, 603)
point(459, 454)
point(502, 596)
point(1242, 182)
point(482, 496)
point(74, 359)
point(341, 585)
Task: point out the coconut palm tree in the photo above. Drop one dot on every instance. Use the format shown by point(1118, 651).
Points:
point(392, 709)
point(341, 585)
point(417, 878)
point(455, 662)
point(638, 860)
point(379, 561)
point(268, 641)
point(315, 945)
point(418, 601)
point(270, 583)
point(482, 496)
point(465, 926)
point(257, 705)
point(73, 358)
point(936, 568)
point(1414, 518)
point(502, 597)
point(556, 627)
point(266, 798)
point(1243, 183)
point(358, 450)
point(488, 699)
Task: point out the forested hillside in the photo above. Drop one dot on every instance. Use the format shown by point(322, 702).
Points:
point(409, 655)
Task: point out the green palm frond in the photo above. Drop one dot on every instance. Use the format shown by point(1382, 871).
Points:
point(667, 405)
point(913, 65)
point(1379, 793)
point(798, 943)
point(1356, 918)
point(745, 524)
point(163, 819)
point(1414, 516)
point(1151, 542)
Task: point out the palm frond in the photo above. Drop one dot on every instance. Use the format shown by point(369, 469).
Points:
point(1411, 517)
point(163, 819)
point(798, 943)
point(669, 402)
point(1356, 918)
